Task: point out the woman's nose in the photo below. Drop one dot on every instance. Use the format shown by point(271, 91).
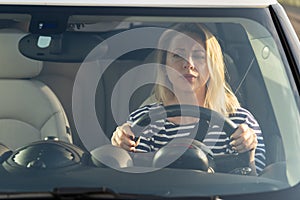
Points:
point(188, 64)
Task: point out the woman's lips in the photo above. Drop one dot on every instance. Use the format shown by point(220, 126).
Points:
point(190, 77)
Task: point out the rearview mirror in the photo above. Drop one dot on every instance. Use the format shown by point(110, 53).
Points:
point(64, 47)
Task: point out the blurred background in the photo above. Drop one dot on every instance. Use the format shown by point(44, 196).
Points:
point(292, 7)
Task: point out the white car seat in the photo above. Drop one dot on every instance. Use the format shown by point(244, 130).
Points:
point(29, 110)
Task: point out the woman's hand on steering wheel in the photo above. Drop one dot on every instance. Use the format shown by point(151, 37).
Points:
point(244, 139)
point(123, 137)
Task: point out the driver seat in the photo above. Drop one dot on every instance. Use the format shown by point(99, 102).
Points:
point(29, 110)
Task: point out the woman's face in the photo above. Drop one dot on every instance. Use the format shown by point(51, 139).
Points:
point(187, 61)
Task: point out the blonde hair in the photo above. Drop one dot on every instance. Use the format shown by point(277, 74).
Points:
point(219, 96)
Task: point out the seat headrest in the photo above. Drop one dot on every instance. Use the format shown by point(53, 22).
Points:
point(12, 63)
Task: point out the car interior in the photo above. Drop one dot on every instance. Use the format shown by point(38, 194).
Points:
point(30, 110)
point(38, 87)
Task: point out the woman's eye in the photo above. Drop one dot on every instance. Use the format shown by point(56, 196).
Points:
point(199, 57)
point(177, 57)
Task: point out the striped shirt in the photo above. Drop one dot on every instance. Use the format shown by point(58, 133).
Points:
point(160, 132)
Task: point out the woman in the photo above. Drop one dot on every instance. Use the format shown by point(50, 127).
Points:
point(192, 72)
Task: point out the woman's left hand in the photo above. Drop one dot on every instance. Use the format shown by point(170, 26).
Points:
point(244, 139)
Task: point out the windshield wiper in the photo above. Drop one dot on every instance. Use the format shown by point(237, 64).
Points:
point(107, 193)
point(89, 193)
point(96, 193)
point(84, 192)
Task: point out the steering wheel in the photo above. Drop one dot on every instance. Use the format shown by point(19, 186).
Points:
point(190, 152)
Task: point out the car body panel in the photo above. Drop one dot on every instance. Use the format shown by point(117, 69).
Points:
point(148, 3)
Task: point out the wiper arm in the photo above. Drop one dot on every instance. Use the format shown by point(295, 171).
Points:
point(106, 193)
point(65, 193)
point(90, 193)
point(84, 192)
point(96, 193)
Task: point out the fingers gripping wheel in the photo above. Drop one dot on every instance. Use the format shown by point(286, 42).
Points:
point(194, 151)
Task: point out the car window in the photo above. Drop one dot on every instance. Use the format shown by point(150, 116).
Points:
point(82, 74)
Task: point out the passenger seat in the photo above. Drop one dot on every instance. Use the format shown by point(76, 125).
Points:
point(29, 110)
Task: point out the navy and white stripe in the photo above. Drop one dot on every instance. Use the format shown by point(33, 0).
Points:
point(159, 133)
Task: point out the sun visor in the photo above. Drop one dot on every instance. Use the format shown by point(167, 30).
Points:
point(65, 47)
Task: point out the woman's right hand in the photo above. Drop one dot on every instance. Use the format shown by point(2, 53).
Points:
point(123, 137)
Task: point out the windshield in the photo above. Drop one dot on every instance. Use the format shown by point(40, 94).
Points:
point(145, 102)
